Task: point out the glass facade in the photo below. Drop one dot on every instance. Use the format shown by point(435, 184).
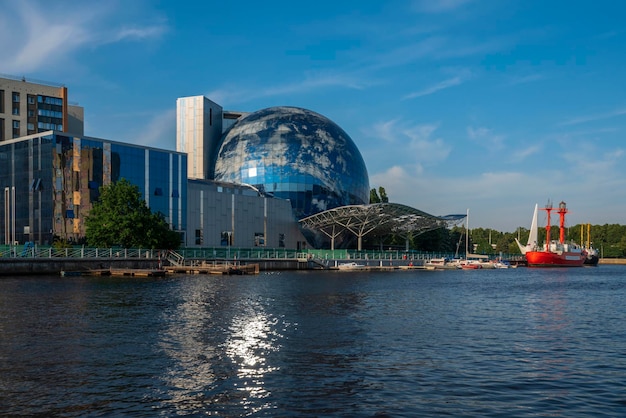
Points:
point(56, 178)
point(294, 154)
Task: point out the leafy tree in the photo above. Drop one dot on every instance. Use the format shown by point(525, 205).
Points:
point(379, 196)
point(121, 217)
point(374, 198)
point(383, 195)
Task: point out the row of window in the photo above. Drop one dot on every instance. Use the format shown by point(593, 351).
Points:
point(49, 126)
point(15, 98)
point(50, 100)
point(50, 113)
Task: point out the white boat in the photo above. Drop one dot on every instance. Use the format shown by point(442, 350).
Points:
point(350, 266)
point(440, 264)
point(531, 245)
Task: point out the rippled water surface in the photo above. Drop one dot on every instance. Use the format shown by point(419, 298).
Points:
point(519, 342)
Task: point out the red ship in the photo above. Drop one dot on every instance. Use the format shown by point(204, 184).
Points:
point(556, 253)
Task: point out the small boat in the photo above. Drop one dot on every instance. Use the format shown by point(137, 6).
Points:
point(555, 253)
point(350, 266)
point(440, 264)
point(471, 265)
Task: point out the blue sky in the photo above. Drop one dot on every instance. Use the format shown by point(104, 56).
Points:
point(490, 106)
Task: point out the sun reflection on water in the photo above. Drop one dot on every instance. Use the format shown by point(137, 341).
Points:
point(220, 350)
point(252, 336)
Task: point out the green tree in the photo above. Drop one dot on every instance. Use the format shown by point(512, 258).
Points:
point(374, 198)
point(383, 195)
point(379, 196)
point(121, 217)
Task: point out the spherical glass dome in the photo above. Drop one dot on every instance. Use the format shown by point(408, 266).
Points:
point(294, 154)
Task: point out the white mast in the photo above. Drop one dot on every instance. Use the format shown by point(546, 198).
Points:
point(467, 234)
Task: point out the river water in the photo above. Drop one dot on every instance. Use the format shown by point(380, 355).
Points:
point(519, 342)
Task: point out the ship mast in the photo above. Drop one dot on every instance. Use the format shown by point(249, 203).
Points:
point(562, 211)
point(548, 209)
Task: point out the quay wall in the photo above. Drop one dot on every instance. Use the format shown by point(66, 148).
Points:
point(612, 261)
point(33, 266)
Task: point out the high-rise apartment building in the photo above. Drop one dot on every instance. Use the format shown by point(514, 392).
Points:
point(27, 108)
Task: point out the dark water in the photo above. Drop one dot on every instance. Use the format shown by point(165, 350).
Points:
point(519, 342)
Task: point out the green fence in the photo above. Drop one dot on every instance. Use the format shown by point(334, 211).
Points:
point(226, 253)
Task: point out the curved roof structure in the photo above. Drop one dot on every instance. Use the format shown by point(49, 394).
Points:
point(378, 219)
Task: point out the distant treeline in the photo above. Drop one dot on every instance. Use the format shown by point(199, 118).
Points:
point(608, 239)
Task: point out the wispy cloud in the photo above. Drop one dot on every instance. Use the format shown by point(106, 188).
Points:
point(485, 137)
point(409, 145)
point(231, 94)
point(594, 118)
point(442, 85)
point(52, 34)
point(530, 78)
point(522, 153)
point(459, 77)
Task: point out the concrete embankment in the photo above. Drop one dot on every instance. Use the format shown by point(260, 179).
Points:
point(613, 261)
point(32, 266)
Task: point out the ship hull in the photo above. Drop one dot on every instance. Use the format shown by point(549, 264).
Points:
point(592, 260)
point(548, 259)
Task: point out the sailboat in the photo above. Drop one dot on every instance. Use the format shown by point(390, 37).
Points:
point(472, 261)
point(532, 237)
point(555, 253)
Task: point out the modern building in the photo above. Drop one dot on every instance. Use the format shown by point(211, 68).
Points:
point(228, 214)
point(279, 177)
point(51, 179)
point(285, 152)
point(29, 107)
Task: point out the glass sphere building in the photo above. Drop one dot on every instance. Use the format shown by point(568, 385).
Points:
point(296, 154)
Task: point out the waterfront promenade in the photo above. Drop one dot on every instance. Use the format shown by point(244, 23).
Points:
point(50, 260)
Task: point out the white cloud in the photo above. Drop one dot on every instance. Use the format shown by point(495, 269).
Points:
point(442, 85)
point(52, 33)
point(596, 117)
point(485, 138)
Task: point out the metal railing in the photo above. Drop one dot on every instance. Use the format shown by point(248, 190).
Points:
point(217, 253)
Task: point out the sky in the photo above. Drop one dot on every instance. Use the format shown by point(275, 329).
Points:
point(486, 106)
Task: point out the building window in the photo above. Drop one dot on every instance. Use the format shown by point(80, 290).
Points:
point(1, 101)
point(16, 129)
point(198, 237)
point(158, 191)
point(226, 238)
point(259, 239)
point(31, 99)
point(16, 97)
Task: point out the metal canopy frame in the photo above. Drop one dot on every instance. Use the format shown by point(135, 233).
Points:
point(378, 218)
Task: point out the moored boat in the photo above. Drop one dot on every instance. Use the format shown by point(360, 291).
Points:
point(556, 253)
point(440, 264)
point(350, 266)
